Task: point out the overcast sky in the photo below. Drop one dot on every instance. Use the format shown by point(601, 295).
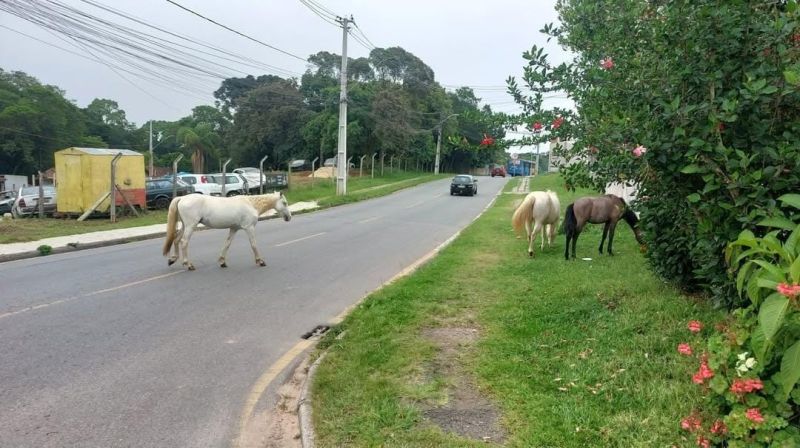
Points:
point(475, 43)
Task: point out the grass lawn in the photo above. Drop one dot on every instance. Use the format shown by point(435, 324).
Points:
point(323, 191)
point(572, 354)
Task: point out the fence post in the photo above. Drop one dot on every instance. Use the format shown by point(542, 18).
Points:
point(261, 174)
point(225, 177)
point(313, 171)
point(113, 206)
point(372, 165)
point(175, 175)
point(361, 165)
point(41, 196)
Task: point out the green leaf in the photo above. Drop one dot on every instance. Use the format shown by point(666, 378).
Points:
point(690, 169)
point(790, 370)
point(791, 244)
point(693, 198)
point(771, 314)
point(794, 271)
point(718, 384)
point(775, 272)
point(792, 77)
point(777, 221)
point(760, 345)
point(744, 272)
point(767, 284)
point(792, 199)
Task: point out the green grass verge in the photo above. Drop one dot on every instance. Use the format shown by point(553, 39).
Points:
point(574, 354)
point(323, 191)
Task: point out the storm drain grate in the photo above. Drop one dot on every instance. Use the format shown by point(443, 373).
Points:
point(319, 330)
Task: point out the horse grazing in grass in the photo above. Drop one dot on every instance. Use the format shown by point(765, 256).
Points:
point(538, 212)
point(606, 209)
point(234, 213)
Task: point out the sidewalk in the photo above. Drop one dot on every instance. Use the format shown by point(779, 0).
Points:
point(17, 251)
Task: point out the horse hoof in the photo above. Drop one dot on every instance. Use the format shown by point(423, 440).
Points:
point(190, 267)
point(223, 265)
point(530, 254)
point(170, 262)
point(261, 262)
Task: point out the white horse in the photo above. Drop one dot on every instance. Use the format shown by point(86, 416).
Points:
point(234, 213)
point(542, 209)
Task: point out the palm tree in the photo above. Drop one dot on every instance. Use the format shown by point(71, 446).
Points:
point(202, 141)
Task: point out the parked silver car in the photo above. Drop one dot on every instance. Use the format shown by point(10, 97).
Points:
point(7, 199)
point(27, 201)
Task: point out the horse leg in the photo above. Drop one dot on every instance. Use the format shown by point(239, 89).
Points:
point(224, 253)
point(605, 233)
point(574, 242)
point(611, 229)
point(176, 249)
point(545, 228)
point(537, 227)
point(552, 235)
point(187, 235)
point(251, 233)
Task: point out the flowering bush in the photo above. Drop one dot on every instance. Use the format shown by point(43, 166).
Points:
point(750, 368)
point(710, 88)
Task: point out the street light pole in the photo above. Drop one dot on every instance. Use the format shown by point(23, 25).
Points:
point(341, 168)
point(439, 143)
point(151, 149)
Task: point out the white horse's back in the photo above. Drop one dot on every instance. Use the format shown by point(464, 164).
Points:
point(217, 212)
point(538, 212)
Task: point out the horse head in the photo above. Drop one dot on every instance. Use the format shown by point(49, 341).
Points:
point(282, 207)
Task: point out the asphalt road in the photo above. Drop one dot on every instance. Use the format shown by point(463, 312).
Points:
point(109, 347)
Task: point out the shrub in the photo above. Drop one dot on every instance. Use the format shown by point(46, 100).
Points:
point(709, 89)
point(44, 249)
point(750, 366)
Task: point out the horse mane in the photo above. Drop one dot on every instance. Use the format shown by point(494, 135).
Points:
point(628, 215)
point(263, 202)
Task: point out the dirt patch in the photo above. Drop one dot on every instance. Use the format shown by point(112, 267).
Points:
point(279, 427)
point(467, 412)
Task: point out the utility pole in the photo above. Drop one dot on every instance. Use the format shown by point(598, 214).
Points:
point(439, 143)
point(151, 149)
point(341, 165)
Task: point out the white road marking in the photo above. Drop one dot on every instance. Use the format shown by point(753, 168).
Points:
point(90, 294)
point(300, 239)
point(370, 219)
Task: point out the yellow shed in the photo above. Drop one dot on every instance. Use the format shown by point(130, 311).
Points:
point(83, 175)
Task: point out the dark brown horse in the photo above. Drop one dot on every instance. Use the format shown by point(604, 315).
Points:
point(606, 209)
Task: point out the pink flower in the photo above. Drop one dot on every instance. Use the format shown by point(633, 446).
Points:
point(685, 349)
point(695, 326)
point(703, 442)
point(557, 123)
point(607, 63)
point(639, 151)
point(787, 290)
point(719, 428)
point(703, 373)
point(754, 415)
point(537, 126)
point(691, 423)
point(745, 386)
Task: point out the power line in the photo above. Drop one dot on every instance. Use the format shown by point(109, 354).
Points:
point(237, 32)
point(323, 14)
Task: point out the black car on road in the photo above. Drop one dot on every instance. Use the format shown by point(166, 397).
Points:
point(464, 184)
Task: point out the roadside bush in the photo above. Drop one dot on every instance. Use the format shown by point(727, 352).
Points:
point(696, 101)
point(749, 367)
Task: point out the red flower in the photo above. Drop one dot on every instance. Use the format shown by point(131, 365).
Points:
point(745, 386)
point(719, 428)
point(787, 290)
point(703, 442)
point(754, 415)
point(607, 63)
point(703, 373)
point(721, 127)
point(487, 140)
point(537, 126)
point(695, 326)
point(691, 423)
point(557, 123)
point(685, 349)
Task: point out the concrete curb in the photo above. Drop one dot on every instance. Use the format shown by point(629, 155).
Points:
point(307, 434)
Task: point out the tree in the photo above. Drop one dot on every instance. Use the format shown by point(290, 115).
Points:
point(104, 119)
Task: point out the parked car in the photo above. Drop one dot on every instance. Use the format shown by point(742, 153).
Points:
point(235, 183)
point(202, 184)
point(27, 201)
point(333, 161)
point(252, 175)
point(159, 191)
point(7, 201)
point(499, 171)
point(464, 184)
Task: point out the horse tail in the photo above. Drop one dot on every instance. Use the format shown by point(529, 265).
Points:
point(172, 224)
point(523, 213)
point(570, 222)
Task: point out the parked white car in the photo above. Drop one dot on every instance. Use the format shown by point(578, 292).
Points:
point(252, 175)
point(27, 201)
point(202, 183)
point(235, 183)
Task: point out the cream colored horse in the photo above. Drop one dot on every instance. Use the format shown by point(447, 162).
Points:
point(234, 213)
point(538, 212)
